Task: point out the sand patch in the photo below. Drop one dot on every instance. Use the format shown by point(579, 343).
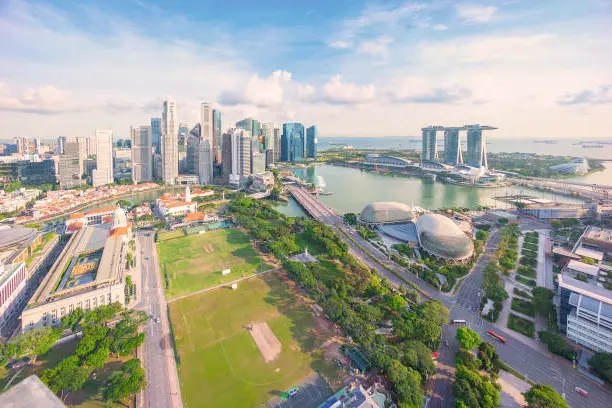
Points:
point(269, 346)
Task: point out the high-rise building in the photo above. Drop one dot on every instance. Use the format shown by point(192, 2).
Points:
point(258, 163)
point(193, 144)
point(430, 144)
point(226, 157)
point(452, 146)
point(169, 142)
point(183, 131)
point(277, 144)
point(267, 133)
point(61, 142)
point(205, 166)
point(251, 125)
point(292, 142)
point(158, 167)
point(312, 136)
point(91, 146)
point(70, 167)
point(476, 145)
point(36, 145)
point(241, 155)
point(103, 174)
point(22, 145)
point(269, 157)
point(205, 162)
point(142, 154)
point(217, 139)
point(156, 134)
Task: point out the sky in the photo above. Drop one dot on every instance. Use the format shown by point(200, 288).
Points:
point(533, 69)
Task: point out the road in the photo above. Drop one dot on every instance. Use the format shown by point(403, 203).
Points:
point(162, 389)
point(535, 365)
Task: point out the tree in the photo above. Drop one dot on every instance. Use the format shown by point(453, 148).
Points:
point(71, 320)
point(395, 302)
point(98, 358)
point(66, 377)
point(542, 300)
point(38, 341)
point(601, 363)
point(127, 381)
point(466, 358)
point(555, 224)
point(407, 384)
point(488, 357)
point(544, 396)
point(7, 352)
point(418, 356)
point(482, 235)
point(427, 331)
point(588, 261)
point(468, 338)
point(350, 218)
point(556, 344)
point(434, 311)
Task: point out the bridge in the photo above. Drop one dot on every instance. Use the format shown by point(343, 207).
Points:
point(589, 190)
point(359, 247)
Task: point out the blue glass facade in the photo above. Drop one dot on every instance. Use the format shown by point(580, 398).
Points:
point(156, 133)
point(312, 136)
point(292, 142)
point(429, 146)
point(476, 155)
point(452, 149)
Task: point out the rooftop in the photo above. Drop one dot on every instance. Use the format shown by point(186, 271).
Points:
point(386, 212)
point(598, 234)
point(582, 267)
point(590, 253)
point(16, 235)
point(29, 393)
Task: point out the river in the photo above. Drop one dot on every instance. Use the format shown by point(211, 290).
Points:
point(353, 189)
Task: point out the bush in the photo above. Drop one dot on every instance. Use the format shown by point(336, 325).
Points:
point(525, 281)
point(520, 325)
point(556, 344)
point(526, 271)
point(523, 306)
point(521, 293)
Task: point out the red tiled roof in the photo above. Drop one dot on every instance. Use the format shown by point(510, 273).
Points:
point(196, 216)
point(76, 215)
point(101, 210)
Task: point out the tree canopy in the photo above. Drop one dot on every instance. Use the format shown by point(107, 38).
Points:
point(602, 364)
point(468, 338)
point(544, 396)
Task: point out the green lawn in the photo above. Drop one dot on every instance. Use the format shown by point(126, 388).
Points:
point(167, 235)
point(195, 262)
point(220, 364)
point(303, 241)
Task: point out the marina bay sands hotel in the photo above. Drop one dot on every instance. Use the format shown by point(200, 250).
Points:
point(453, 156)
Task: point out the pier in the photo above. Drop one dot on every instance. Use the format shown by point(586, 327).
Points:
point(587, 190)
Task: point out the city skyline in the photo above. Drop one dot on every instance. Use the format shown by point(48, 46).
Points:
point(413, 63)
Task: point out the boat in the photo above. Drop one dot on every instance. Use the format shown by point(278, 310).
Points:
point(546, 141)
point(594, 146)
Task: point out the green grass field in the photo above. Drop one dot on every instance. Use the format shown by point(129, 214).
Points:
point(220, 364)
point(167, 235)
point(195, 262)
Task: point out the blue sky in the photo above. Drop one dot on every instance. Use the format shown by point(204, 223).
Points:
point(354, 68)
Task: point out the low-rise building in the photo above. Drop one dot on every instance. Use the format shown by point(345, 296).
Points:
point(262, 181)
point(176, 205)
point(88, 273)
point(13, 281)
point(17, 200)
point(97, 216)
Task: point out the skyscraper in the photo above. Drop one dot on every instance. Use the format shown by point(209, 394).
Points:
point(267, 133)
point(22, 145)
point(277, 144)
point(312, 136)
point(61, 142)
point(241, 155)
point(452, 146)
point(193, 144)
point(91, 146)
point(476, 145)
point(246, 124)
point(70, 168)
point(169, 142)
point(226, 157)
point(156, 134)
point(142, 154)
point(205, 160)
point(103, 174)
point(183, 132)
point(292, 142)
point(206, 134)
point(430, 144)
point(217, 141)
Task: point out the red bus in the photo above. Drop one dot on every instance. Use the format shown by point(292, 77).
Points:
point(497, 336)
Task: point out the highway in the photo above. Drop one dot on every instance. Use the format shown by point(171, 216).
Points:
point(162, 389)
point(536, 365)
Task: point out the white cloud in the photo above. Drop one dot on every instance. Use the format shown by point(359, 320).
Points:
point(422, 90)
point(45, 99)
point(603, 94)
point(262, 92)
point(347, 93)
point(440, 27)
point(340, 44)
point(377, 47)
point(471, 13)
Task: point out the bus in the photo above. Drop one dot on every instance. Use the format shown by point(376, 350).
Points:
point(497, 336)
point(459, 322)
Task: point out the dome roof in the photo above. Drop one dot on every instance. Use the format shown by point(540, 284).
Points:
point(10, 237)
point(386, 213)
point(441, 237)
point(119, 218)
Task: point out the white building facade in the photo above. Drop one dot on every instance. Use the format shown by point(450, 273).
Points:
point(13, 280)
point(169, 142)
point(142, 154)
point(103, 174)
point(205, 162)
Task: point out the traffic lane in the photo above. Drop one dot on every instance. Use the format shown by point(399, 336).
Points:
point(538, 366)
point(442, 396)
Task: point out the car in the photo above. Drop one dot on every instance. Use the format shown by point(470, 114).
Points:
point(581, 392)
point(446, 343)
point(157, 320)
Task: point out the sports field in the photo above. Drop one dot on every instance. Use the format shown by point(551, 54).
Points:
point(221, 364)
point(194, 262)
